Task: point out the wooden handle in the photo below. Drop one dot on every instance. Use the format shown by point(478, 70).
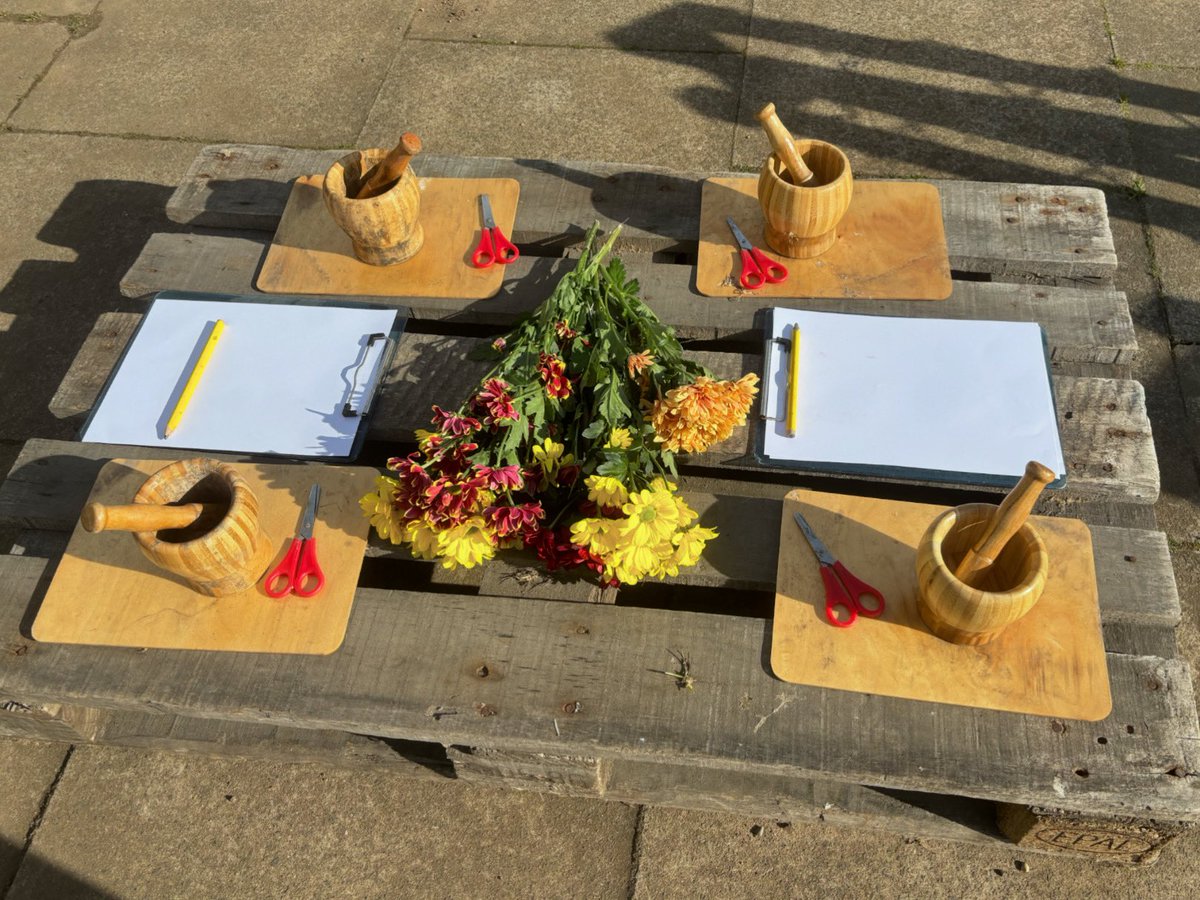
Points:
point(782, 143)
point(1005, 521)
point(144, 516)
point(390, 167)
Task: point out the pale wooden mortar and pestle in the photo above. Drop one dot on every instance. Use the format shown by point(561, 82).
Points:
point(981, 567)
point(804, 189)
point(374, 197)
point(196, 518)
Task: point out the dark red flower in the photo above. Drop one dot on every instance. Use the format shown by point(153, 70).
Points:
point(521, 519)
point(452, 423)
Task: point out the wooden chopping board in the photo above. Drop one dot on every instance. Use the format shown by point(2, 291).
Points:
point(105, 591)
point(891, 245)
point(310, 253)
point(1051, 662)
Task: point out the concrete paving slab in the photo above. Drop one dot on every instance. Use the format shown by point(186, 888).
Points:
point(670, 25)
point(558, 103)
point(1164, 113)
point(26, 50)
point(81, 213)
point(1166, 32)
point(224, 70)
point(138, 824)
point(27, 769)
point(49, 7)
point(690, 854)
point(908, 90)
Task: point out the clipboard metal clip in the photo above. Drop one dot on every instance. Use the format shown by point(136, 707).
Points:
point(348, 409)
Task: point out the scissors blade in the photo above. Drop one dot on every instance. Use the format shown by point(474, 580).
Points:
point(823, 555)
point(485, 205)
point(310, 513)
point(737, 234)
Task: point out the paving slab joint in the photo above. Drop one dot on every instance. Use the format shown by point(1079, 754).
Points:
point(38, 816)
point(636, 852)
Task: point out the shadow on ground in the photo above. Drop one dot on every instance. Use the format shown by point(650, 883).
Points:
point(54, 304)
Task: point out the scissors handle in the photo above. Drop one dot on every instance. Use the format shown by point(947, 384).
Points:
point(299, 565)
point(752, 276)
point(485, 253)
point(771, 270)
point(494, 247)
point(307, 578)
point(848, 592)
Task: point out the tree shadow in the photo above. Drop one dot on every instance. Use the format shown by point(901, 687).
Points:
point(840, 100)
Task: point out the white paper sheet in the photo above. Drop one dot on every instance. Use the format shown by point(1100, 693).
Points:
point(276, 382)
point(944, 396)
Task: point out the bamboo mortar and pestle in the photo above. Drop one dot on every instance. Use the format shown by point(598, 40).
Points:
point(196, 518)
point(375, 198)
point(981, 567)
point(804, 189)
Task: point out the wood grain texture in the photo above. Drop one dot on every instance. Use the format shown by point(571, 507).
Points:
point(1081, 325)
point(384, 226)
point(410, 655)
point(1051, 662)
point(889, 246)
point(311, 255)
point(246, 186)
point(92, 364)
point(106, 592)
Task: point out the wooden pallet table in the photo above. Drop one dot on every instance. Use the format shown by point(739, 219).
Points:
point(493, 675)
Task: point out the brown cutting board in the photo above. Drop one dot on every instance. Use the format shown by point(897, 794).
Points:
point(312, 255)
point(1049, 663)
point(891, 245)
point(105, 591)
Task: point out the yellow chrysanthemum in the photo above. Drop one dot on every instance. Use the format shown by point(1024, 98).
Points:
point(619, 439)
point(466, 544)
point(422, 538)
point(692, 417)
point(652, 517)
point(690, 544)
point(384, 516)
point(606, 491)
point(549, 455)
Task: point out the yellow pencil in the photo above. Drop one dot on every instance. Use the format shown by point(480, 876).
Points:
point(793, 383)
point(194, 379)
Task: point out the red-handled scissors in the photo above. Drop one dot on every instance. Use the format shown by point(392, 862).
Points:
point(757, 268)
point(292, 576)
point(493, 247)
point(843, 592)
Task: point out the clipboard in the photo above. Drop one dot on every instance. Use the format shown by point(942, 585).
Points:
point(935, 400)
point(290, 377)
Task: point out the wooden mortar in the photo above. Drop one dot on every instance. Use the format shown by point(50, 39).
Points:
point(196, 518)
point(1003, 592)
point(802, 220)
point(383, 228)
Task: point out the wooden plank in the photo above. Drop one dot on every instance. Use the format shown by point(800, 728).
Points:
point(1054, 232)
point(49, 721)
point(425, 665)
point(1025, 230)
point(1139, 601)
point(1082, 325)
point(92, 364)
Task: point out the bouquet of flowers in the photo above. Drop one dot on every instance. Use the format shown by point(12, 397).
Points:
point(568, 445)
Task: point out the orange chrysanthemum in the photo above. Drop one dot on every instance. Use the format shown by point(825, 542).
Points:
point(694, 416)
point(639, 361)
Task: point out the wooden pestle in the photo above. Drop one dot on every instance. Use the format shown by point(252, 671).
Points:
point(1005, 521)
point(390, 168)
point(145, 516)
point(782, 143)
